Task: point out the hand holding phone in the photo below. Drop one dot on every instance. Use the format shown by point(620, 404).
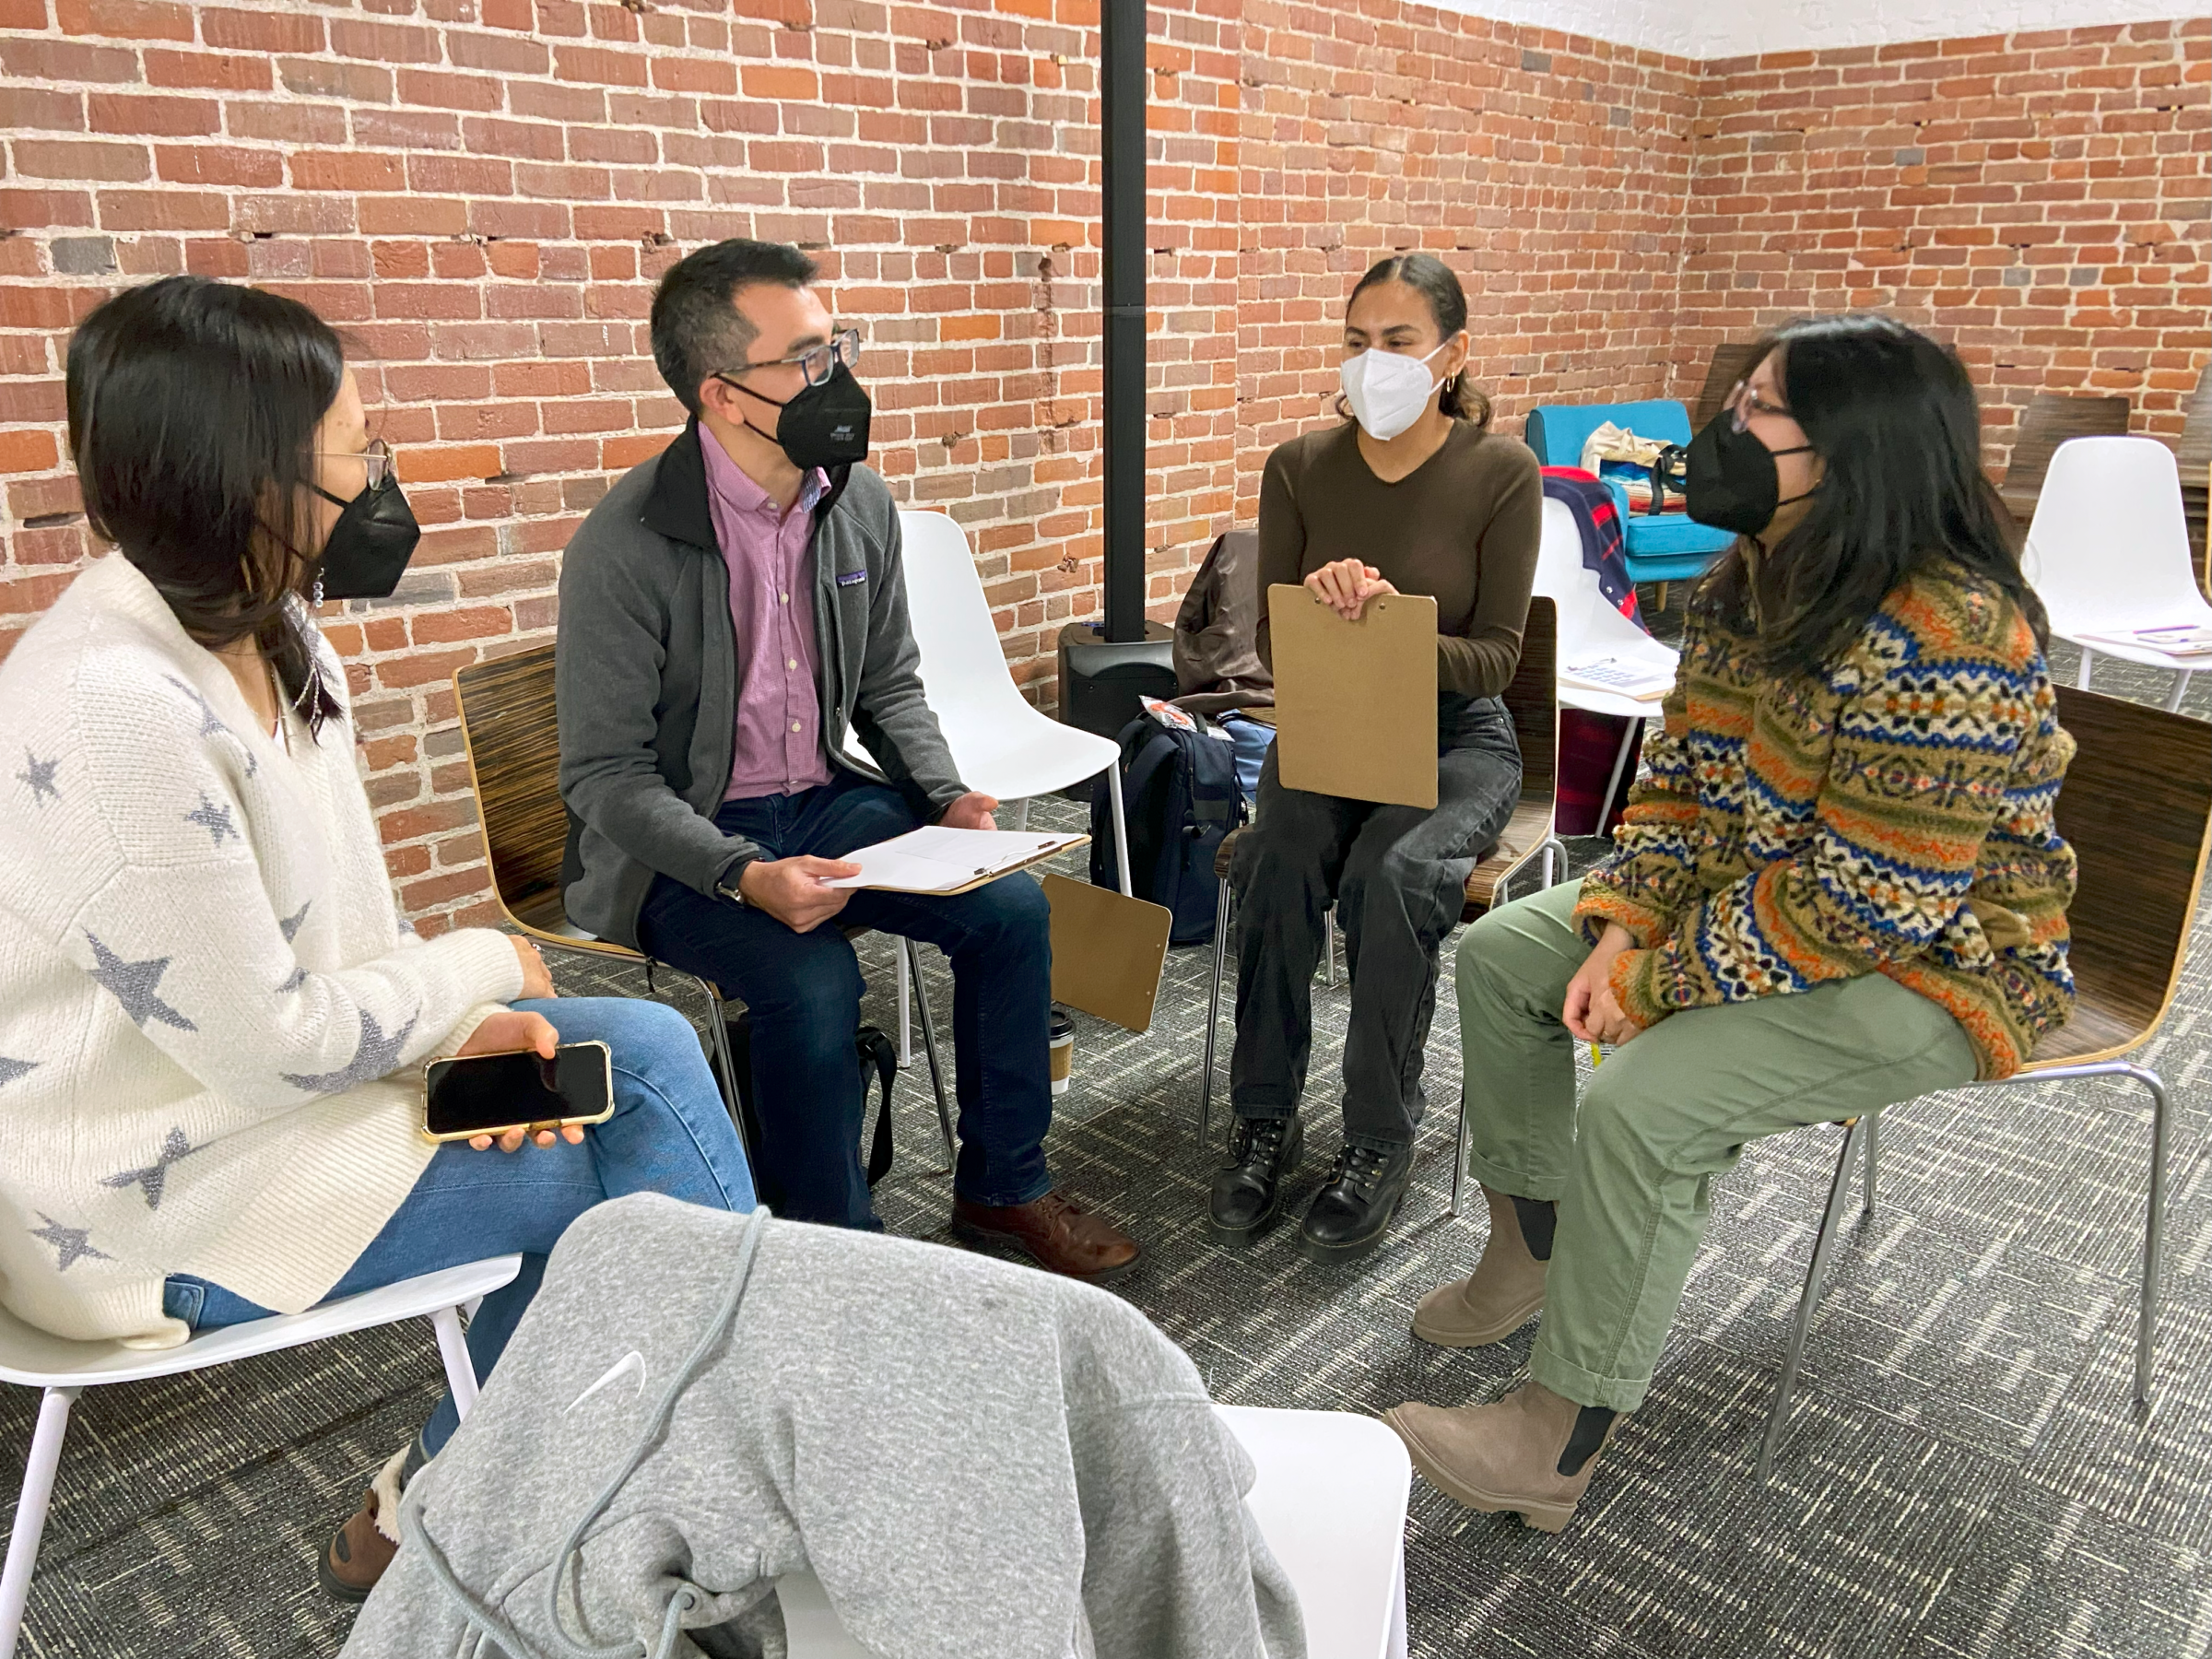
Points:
point(501, 1032)
point(506, 1095)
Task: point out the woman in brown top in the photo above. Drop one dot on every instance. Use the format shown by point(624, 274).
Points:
point(1411, 495)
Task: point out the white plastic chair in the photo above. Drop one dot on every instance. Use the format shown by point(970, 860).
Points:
point(2108, 552)
point(29, 1357)
point(1001, 744)
point(1590, 627)
point(1330, 1501)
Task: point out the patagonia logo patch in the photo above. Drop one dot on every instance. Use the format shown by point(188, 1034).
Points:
point(850, 578)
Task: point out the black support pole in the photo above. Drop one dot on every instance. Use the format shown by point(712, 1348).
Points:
point(1122, 93)
point(1108, 667)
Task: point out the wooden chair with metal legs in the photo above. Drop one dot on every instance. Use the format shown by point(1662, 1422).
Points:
point(1531, 700)
point(2137, 808)
point(514, 744)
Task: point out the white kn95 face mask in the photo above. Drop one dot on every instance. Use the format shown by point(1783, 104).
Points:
point(1387, 391)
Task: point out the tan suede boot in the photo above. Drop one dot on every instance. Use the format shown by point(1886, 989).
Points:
point(1502, 1457)
point(1503, 1293)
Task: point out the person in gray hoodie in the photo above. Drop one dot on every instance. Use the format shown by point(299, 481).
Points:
point(972, 1459)
point(731, 610)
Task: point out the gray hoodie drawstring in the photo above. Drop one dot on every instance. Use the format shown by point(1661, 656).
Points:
point(487, 1624)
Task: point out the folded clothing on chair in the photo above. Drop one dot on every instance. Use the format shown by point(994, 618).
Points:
point(971, 1457)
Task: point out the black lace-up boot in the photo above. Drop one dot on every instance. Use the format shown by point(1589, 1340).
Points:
point(1352, 1211)
point(1248, 1188)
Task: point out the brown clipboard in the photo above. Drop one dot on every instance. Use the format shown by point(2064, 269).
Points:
point(1355, 702)
point(1109, 951)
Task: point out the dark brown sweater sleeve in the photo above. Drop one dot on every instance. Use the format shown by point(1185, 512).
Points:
point(1282, 541)
point(1482, 664)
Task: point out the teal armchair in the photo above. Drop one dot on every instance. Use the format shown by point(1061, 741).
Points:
point(1661, 548)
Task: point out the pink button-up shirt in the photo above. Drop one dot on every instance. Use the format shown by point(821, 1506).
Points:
point(769, 552)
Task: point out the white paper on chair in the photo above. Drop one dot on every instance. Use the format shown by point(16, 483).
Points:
point(938, 860)
point(2182, 639)
point(1624, 676)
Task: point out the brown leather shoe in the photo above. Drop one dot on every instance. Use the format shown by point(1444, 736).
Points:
point(361, 1550)
point(1060, 1236)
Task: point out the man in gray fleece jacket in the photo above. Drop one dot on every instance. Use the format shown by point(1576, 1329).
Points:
point(976, 1462)
point(730, 610)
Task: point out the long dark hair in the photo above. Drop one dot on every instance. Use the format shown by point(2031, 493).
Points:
point(1434, 280)
point(1893, 419)
point(193, 410)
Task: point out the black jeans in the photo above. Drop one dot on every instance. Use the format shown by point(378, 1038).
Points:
point(1398, 876)
point(803, 991)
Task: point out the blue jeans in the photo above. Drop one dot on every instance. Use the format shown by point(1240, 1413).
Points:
point(803, 992)
point(670, 1134)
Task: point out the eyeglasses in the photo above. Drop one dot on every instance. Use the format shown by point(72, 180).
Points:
point(1742, 404)
point(817, 363)
point(379, 459)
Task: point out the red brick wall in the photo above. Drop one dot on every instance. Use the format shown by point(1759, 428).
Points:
point(1549, 171)
point(481, 197)
point(2039, 200)
point(482, 192)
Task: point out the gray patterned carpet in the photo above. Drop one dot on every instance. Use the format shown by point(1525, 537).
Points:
point(1966, 1475)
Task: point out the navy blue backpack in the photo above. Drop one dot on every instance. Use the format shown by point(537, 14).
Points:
point(1179, 790)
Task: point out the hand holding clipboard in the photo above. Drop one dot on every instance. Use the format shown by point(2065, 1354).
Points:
point(1356, 701)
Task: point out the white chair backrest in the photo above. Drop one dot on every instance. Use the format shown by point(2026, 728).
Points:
point(2109, 547)
point(1589, 624)
point(963, 664)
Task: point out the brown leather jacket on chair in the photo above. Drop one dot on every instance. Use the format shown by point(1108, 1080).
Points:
point(1217, 665)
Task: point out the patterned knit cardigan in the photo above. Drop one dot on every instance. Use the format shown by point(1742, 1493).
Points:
point(1892, 815)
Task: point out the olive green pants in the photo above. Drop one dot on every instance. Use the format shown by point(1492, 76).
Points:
point(1633, 1169)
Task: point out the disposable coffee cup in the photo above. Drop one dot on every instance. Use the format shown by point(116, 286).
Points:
point(1062, 1050)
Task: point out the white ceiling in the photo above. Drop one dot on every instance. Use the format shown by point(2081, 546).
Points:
point(1728, 29)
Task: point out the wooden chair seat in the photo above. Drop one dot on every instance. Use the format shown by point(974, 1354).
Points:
point(2052, 419)
point(1525, 833)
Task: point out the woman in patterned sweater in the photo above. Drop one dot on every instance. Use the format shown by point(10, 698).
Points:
point(1839, 888)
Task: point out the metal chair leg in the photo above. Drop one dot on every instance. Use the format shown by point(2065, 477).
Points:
point(2154, 1217)
point(459, 1370)
point(1459, 1152)
point(929, 1043)
point(1213, 1014)
point(2181, 690)
point(30, 1513)
point(718, 1041)
point(906, 1015)
point(2154, 1229)
point(1121, 827)
point(1874, 1139)
point(1620, 764)
point(1816, 1275)
point(1328, 945)
point(2088, 659)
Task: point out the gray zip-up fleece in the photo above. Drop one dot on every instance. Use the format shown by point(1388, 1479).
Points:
point(977, 1461)
point(646, 679)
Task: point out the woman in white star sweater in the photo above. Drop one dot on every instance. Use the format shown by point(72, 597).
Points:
point(212, 1026)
